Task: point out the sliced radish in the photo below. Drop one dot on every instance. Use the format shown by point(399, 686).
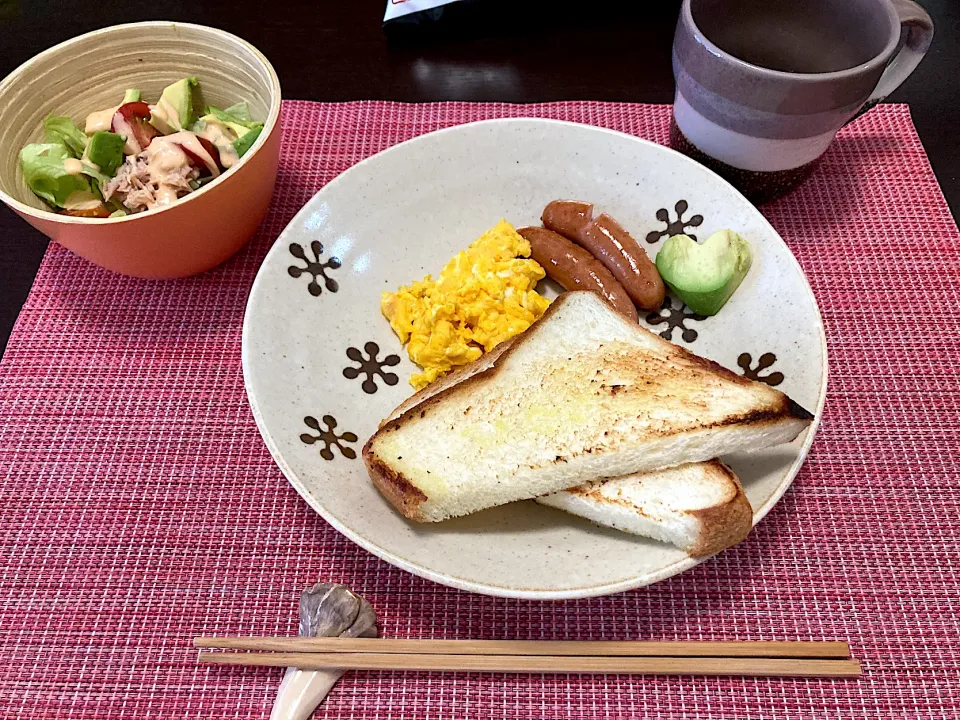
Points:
point(132, 110)
point(132, 121)
point(198, 162)
point(212, 151)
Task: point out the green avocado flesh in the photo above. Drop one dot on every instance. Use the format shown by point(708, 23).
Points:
point(105, 150)
point(246, 141)
point(174, 111)
point(705, 275)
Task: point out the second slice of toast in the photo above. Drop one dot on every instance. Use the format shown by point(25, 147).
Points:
point(699, 507)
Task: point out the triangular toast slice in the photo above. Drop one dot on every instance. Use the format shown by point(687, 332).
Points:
point(582, 394)
point(699, 507)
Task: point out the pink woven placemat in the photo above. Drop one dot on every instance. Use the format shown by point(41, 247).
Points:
point(138, 506)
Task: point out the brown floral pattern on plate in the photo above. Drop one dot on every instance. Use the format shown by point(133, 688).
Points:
point(675, 318)
point(371, 366)
point(675, 227)
point(745, 361)
point(329, 437)
point(315, 268)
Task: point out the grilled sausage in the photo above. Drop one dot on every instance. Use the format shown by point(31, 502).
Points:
point(576, 269)
point(567, 217)
point(607, 241)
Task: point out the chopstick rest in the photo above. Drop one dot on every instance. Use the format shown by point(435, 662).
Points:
point(326, 609)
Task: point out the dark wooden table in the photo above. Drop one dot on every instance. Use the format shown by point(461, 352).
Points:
point(519, 51)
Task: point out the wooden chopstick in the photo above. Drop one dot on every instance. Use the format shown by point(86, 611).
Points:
point(743, 666)
point(603, 648)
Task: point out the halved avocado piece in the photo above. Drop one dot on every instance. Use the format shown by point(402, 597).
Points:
point(174, 111)
point(705, 275)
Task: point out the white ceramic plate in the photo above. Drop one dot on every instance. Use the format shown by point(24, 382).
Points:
point(313, 320)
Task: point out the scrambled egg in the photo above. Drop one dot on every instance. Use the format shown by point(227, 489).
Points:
point(483, 296)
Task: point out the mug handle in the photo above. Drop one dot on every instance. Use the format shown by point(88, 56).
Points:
point(917, 33)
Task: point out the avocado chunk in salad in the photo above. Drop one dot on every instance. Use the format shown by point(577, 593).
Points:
point(705, 275)
point(105, 150)
point(135, 156)
point(246, 141)
point(174, 110)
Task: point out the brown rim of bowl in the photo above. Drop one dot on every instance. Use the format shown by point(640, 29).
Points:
point(268, 124)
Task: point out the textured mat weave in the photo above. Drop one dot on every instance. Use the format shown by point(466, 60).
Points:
point(138, 506)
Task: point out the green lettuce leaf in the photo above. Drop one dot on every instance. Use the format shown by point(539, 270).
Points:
point(240, 110)
point(92, 172)
point(60, 129)
point(44, 173)
point(230, 117)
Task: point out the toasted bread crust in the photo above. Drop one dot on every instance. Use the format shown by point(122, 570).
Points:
point(447, 381)
point(723, 525)
point(403, 494)
point(786, 408)
point(453, 383)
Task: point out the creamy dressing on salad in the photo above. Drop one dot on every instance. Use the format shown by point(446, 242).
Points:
point(167, 113)
point(86, 160)
point(188, 140)
point(100, 120)
point(165, 156)
point(221, 138)
point(153, 170)
point(165, 195)
point(229, 156)
point(72, 166)
point(130, 145)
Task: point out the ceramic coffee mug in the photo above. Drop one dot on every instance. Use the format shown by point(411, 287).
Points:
point(764, 85)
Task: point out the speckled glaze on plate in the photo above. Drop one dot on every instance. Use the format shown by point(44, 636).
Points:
point(322, 366)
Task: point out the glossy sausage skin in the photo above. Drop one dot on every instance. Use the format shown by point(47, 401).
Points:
point(567, 217)
point(576, 269)
point(607, 241)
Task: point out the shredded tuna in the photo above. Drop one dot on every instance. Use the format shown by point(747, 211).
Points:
point(138, 190)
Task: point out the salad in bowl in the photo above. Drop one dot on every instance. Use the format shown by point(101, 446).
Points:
point(136, 156)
